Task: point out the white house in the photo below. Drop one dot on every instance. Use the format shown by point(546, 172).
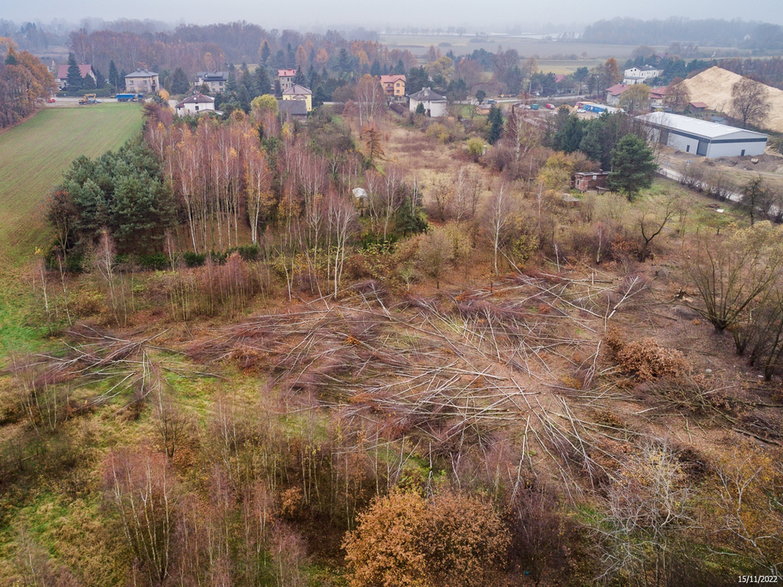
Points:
point(142, 81)
point(640, 75)
point(196, 104)
point(216, 80)
point(434, 104)
point(702, 137)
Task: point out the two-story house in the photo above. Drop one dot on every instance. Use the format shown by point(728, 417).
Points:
point(142, 81)
point(393, 85)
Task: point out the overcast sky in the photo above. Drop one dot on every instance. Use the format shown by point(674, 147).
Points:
point(377, 14)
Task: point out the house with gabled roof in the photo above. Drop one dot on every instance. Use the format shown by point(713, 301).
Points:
point(215, 81)
point(85, 70)
point(434, 104)
point(300, 93)
point(394, 85)
point(286, 78)
point(195, 104)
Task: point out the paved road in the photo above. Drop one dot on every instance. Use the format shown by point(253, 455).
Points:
point(677, 176)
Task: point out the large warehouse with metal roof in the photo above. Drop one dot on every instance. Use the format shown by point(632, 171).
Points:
point(702, 137)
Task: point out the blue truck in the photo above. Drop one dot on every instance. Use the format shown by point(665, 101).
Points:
point(129, 97)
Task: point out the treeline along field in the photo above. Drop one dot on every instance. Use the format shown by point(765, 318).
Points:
point(34, 155)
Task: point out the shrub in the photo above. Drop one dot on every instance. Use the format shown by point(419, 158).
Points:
point(154, 261)
point(646, 359)
point(193, 259)
point(403, 539)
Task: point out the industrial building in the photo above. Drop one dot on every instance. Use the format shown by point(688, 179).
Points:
point(702, 137)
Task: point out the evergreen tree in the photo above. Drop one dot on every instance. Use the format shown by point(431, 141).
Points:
point(11, 59)
point(299, 78)
point(179, 82)
point(88, 83)
point(114, 76)
point(100, 80)
point(265, 52)
point(569, 136)
point(74, 75)
point(417, 78)
point(495, 119)
point(375, 68)
point(400, 68)
point(633, 166)
point(263, 84)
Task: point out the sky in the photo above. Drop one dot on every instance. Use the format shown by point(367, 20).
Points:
point(497, 15)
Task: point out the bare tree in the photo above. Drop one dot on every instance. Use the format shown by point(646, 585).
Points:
point(652, 220)
point(750, 101)
point(141, 490)
point(731, 273)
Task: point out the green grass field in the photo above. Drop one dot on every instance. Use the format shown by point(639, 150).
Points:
point(33, 157)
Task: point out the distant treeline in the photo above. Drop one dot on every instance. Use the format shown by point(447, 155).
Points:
point(756, 36)
point(212, 47)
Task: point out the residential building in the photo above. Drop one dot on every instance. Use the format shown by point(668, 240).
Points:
point(614, 92)
point(292, 108)
point(300, 93)
point(658, 97)
point(142, 81)
point(197, 103)
point(702, 137)
point(61, 74)
point(393, 85)
point(640, 75)
point(286, 78)
point(215, 81)
point(433, 103)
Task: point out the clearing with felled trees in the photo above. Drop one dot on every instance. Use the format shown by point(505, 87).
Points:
point(249, 373)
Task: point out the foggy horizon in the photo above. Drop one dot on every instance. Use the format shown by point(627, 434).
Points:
point(502, 16)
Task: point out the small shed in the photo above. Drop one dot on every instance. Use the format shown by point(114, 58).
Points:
point(590, 180)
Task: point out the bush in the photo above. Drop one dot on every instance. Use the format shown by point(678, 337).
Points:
point(194, 259)
point(154, 261)
point(646, 359)
point(403, 539)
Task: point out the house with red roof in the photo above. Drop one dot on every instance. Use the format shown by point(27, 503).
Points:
point(286, 78)
point(61, 74)
point(614, 92)
point(393, 85)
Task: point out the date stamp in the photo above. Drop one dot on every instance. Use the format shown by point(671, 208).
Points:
point(758, 579)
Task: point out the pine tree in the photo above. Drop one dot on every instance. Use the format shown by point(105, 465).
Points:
point(74, 75)
point(179, 82)
point(263, 84)
point(495, 119)
point(265, 52)
point(100, 80)
point(633, 166)
point(114, 76)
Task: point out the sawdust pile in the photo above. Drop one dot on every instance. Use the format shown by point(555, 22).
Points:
point(713, 87)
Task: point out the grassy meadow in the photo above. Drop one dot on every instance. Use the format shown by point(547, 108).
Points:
point(33, 157)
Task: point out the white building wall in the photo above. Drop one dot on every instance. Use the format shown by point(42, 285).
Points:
point(735, 149)
point(682, 143)
point(437, 109)
point(188, 109)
